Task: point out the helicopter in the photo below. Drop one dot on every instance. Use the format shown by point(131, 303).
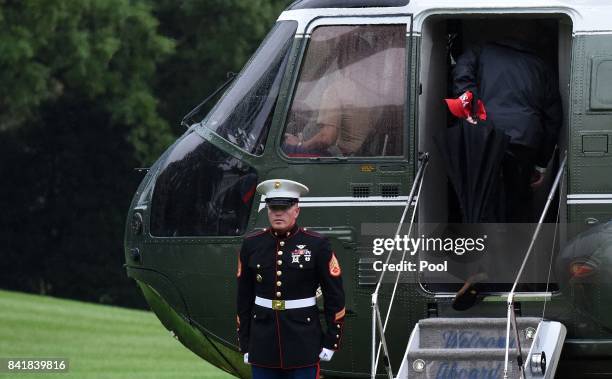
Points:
point(191, 211)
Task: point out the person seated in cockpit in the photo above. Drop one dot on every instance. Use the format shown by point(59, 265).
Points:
point(350, 96)
point(343, 126)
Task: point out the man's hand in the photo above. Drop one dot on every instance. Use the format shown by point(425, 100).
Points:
point(326, 355)
point(537, 178)
point(245, 357)
point(291, 140)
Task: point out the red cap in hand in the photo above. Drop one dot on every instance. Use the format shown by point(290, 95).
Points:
point(461, 107)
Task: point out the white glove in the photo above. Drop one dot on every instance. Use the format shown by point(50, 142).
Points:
point(245, 357)
point(326, 355)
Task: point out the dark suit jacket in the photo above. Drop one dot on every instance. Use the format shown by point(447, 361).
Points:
point(519, 91)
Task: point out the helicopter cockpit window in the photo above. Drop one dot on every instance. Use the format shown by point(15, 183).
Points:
point(244, 114)
point(350, 97)
point(202, 191)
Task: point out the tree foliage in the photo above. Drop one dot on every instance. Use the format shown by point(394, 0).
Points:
point(103, 51)
point(64, 214)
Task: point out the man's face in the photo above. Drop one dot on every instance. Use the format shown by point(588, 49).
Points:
point(283, 217)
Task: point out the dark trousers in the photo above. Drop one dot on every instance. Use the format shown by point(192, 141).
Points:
point(511, 197)
point(310, 372)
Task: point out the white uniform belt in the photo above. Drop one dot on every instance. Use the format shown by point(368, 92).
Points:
point(280, 305)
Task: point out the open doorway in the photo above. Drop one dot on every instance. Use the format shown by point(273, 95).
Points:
point(444, 38)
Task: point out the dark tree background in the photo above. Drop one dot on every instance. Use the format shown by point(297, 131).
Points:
point(89, 91)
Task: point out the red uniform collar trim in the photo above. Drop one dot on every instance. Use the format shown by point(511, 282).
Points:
point(285, 235)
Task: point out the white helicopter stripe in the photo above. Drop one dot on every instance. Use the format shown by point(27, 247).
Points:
point(590, 198)
point(594, 201)
point(348, 201)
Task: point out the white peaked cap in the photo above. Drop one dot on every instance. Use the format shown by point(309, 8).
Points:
point(284, 188)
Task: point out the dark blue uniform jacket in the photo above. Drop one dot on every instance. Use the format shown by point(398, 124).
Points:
point(288, 267)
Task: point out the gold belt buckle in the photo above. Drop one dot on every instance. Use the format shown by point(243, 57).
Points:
point(278, 305)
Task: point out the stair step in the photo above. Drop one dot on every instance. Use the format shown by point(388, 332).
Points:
point(476, 321)
point(472, 333)
point(460, 363)
point(462, 354)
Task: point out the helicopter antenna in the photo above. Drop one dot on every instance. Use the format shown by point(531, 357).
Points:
point(230, 78)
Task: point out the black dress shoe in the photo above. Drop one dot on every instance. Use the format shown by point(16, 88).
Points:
point(467, 297)
point(469, 294)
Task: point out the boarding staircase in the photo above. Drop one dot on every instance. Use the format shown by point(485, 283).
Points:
point(475, 348)
point(472, 347)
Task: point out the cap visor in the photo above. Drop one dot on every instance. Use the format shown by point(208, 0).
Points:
point(456, 108)
point(281, 201)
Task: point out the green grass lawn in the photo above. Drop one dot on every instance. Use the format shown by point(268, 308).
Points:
point(99, 341)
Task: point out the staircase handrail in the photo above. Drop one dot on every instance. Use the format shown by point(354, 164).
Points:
point(511, 316)
point(376, 318)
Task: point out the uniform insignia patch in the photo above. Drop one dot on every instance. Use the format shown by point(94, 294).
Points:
point(334, 266)
point(340, 314)
point(239, 268)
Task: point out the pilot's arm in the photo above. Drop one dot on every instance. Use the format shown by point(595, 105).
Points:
point(328, 121)
point(325, 138)
point(329, 272)
point(244, 300)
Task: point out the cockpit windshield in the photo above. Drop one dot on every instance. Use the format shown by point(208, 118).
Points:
point(244, 114)
point(201, 191)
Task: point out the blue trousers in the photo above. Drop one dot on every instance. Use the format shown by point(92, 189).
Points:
point(310, 372)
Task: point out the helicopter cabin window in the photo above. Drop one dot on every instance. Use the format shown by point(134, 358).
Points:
point(349, 100)
point(201, 191)
point(244, 114)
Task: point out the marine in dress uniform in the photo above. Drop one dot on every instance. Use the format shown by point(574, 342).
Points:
point(279, 271)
